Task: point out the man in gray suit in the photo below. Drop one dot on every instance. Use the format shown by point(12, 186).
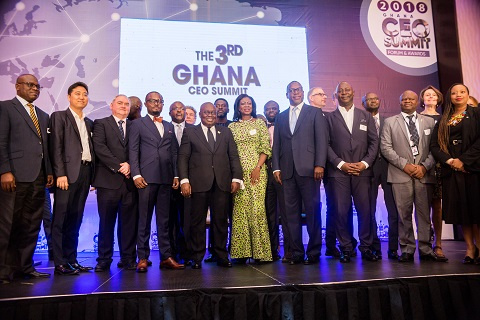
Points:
point(25, 171)
point(405, 141)
point(352, 150)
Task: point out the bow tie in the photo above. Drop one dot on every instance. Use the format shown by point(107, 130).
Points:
point(157, 119)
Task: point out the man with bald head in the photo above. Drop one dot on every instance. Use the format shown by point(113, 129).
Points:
point(210, 170)
point(116, 194)
point(353, 148)
point(135, 108)
point(405, 143)
point(25, 171)
point(317, 97)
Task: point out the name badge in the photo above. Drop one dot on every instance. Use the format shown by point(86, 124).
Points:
point(427, 132)
point(253, 132)
point(415, 151)
point(363, 127)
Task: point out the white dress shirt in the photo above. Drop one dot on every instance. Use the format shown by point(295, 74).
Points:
point(82, 129)
point(124, 124)
point(157, 124)
point(24, 104)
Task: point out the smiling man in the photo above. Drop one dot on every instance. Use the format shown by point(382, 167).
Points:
point(72, 156)
point(116, 195)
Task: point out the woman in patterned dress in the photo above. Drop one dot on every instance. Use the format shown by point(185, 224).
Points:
point(455, 144)
point(250, 237)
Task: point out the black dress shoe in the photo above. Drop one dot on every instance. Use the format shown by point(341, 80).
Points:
point(36, 274)
point(149, 263)
point(196, 265)
point(101, 267)
point(210, 258)
point(406, 257)
point(333, 253)
point(296, 260)
point(224, 263)
point(378, 253)
point(353, 253)
point(66, 269)
point(392, 254)
point(120, 264)
point(311, 260)
point(345, 257)
point(369, 255)
point(81, 268)
point(468, 260)
point(432, 257)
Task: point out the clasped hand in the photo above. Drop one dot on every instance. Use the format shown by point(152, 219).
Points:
point(353, 169)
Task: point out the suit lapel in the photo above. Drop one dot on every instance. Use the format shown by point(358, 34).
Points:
point(152, 127)
point(401, 123)
point(303, 114)
point(356, 121)
point(201, 136)
point(71, 118)
point(21, 109)
point(421, 133)
point(219, 136)
point(339, 117)
point(115, 127)
point(127, 132)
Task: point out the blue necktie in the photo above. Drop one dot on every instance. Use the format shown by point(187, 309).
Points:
point(293, 119)
point(120, 127)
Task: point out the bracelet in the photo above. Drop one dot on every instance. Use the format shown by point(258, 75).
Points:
point(259, 167)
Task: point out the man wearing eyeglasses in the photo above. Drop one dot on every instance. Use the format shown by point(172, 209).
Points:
point(73, 160)
point(153, 164)
point(405, 143)
point(299, 158)
point(352, 150)
point(317, 97)
point(25, 171)
point(371, 103)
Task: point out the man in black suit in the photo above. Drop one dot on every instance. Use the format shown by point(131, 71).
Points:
point(299, 156)
point(71, 152)
point(153, 157)
point(176, 224)
point(116, 193)
point(274, 199)
point(371, 103)
point(210, 170)
point(353, 148)
point(25, 171)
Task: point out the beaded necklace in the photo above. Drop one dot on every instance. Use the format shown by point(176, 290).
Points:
point(454, 120)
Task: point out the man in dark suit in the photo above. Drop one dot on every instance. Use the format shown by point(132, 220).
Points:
point(25, 171)
point(299, 155)
point(153, 157)
point(210, 170)
point(371, 103)
point(353, 148)
point(274, 199)
point(405, 143)
point(71, 152)
point(116, 193)
point(176, 224)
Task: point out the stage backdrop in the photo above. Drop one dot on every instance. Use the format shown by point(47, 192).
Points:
point(376, 45)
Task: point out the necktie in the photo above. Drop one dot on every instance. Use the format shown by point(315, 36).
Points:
point(34, 119)
point(179, 133)
point(120, 126)
point(413, 130)
point(211, 140)
point(158, 119)
point(293, 119)
point(377, 126)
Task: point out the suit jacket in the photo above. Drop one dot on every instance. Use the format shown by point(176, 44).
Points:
point(111, 149)
point(152, 156)
point(187, 125)
point(198, 163)
point(395, 147)
point(360, 145)
point(470, 143)
point(22, 151)
point(66, 144)
point(303, 150)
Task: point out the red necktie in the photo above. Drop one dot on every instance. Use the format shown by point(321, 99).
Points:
point(158, 119)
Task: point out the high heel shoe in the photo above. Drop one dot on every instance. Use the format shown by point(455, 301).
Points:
point(469, 260)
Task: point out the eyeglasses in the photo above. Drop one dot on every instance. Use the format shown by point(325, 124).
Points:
point(372, 99)
point(319, 94)
point(295, 90)
point(155, 101)
point(31, 85)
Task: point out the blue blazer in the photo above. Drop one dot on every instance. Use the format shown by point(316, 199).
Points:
point(360, 145)
point(303, 150)
point(151, 156)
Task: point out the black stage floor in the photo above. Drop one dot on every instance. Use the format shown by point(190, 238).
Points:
point(328, 272)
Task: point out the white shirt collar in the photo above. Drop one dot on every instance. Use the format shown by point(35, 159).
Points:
point(299, 107)
point(76, 115)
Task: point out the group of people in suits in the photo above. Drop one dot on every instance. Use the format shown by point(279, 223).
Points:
point(181, 171)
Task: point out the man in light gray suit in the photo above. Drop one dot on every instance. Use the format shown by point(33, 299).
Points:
point(405, 141)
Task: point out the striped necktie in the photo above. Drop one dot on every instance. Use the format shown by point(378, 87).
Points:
point(34, 119)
